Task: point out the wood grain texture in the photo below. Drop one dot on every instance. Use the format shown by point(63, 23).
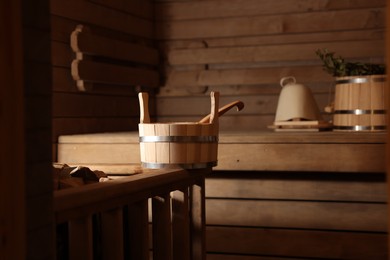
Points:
point(323, 152)
point(297, 214)
point(296, 243)
point(301, 157)
point(244, 76)
point(92, 44)
point(140, 8)
point(129, 32)
point(188, 10)
point(320, 36)
point(273, 53)
point(272, 24)
point(278, 186)
point(104, 73)
point(74, 105)
point(101, 16)
point(239, 46)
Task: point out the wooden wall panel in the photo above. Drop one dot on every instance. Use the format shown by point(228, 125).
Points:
point(171, 10)
point(306, 244)
point(242, 25)
point(139, 8)
point(108, 106)
point(307, 186)
point(296, 214)
point(231, 46)
point(102, 16)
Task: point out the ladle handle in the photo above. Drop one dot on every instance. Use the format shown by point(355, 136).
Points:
point(224, 109)
point(143, 98)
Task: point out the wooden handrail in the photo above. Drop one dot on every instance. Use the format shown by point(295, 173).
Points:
point(112, 218)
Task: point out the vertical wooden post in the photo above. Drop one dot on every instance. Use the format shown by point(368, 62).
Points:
point(181, 225)
point(198, 216)
point(387, 102)
point(138, 231)
point(162, 232)
point(12, 160)
point(112, 234)
point(80, 239)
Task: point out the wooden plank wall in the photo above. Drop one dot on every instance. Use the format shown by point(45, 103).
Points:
point(296, 215)
point(107, 107)
point(242, 48)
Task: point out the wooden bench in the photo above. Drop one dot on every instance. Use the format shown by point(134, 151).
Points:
point(244, 151)
point(289, 195)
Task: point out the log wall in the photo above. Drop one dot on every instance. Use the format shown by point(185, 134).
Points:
point(296, 215)
point(243, 48)
point(107, 105)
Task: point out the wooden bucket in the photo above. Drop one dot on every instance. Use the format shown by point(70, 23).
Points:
point(360, 103)
point(188, 145)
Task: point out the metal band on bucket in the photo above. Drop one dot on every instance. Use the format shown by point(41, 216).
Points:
point(181, 165)
point(360, 80)
point(179, 139)
point(360, 127)
point(360, 112)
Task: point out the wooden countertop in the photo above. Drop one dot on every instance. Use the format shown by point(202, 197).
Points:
point(248, 151)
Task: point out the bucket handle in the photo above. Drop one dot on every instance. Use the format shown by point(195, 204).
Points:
point(214, 96)
point(143, 98)
point(287, 80)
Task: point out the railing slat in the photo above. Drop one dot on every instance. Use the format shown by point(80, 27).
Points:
point(138, 231)
point(80, 239)
point(162, 231)
point(197, 211)
point(110, 220)
point(112, 234)
point(181, 225)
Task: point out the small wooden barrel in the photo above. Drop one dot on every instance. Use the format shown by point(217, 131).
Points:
point(186, 145)
point(360, 103)
point(189, 145)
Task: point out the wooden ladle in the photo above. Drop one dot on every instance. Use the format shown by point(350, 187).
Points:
point(223, 110)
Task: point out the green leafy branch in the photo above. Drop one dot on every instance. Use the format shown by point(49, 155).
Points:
point(338, 67)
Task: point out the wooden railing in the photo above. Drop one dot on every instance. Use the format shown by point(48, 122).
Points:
point(112, 220)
